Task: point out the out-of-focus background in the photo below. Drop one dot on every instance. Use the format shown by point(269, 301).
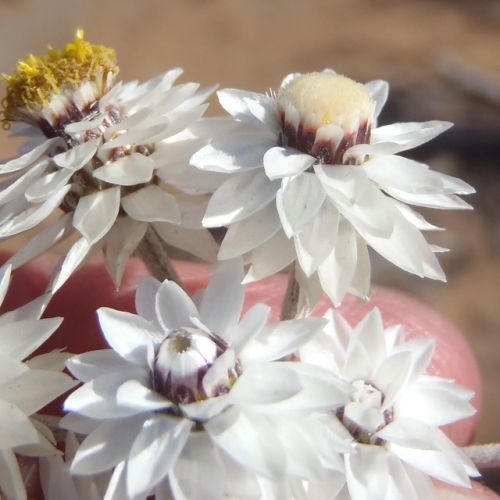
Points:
point(440, 57)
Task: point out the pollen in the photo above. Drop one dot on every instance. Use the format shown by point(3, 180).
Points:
point(329, 98)
point(37, 78)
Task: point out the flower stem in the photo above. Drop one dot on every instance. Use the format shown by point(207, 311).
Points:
point(289, 309)
point(484, 456)
point(153, 251)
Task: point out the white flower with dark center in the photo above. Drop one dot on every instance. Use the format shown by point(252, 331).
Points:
point(192, 399)
point(389, 421)
point(112, 157)
point(25, 388)
point(315, 179)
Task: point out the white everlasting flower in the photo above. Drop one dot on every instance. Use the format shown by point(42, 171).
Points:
point(188, 398)
point(389, 422)
point(315, 179)
point(112, 157)
point(25, 388)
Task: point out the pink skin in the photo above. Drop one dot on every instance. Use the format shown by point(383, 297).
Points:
point(91, 288)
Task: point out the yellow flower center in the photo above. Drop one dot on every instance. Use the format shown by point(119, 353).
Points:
point(328, 98)
point(38, 78)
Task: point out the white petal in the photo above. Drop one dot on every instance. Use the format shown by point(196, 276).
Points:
point(439, 201)
point(135, 136)
point(42, 242)
point(21, 338)
point(412, 177)
point(280, 339)
point(217, 374)
point(237, 151)
point(379, 90)
point(434, 463)
point(31, 310)
point(5, 273)
point(28, 158)
point(171, 154)
point(434, 404)
point(392, 376)
point(373, 212)
point(251, 324)
point(15, 427)
point(98, 399)
point(415, 218)
point(250, 440)
point(33, 215)
point(128, 334)
point(238, 103)
point(174, 307)
point(47, 185)
point(55, 479)
point(96, 213)
point(348, 182)
point(69, 263)
point(239, 480)
point(205, 409)
point(199, 470)
point(127, 171)
point(400, 483)
point(136, 395)
point(150, 204)
point(222, 301)
point(321, 390)
point(34, 389)
point(108, 445)
point(407, 249)
point(22, 184)
point(11, 481)
point(282, 162)
point(264, 109)
point(145, 299)
point(197, 242)
point(361, 281)
point(317, 239)
point(154, 452)
point(265, 384)
point(270, 257)
point(410, 134)
point(367, 473)
point(399, 137)
point(370, 333)
point(298, 201)
point(121, 243)
point(337, 271)
point(240, 196)
point(244, 236)
point(409, 433)
point(92, 364)
point(77, 156)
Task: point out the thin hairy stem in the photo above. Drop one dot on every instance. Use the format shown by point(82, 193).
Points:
point(484, 456)
point(153, 251)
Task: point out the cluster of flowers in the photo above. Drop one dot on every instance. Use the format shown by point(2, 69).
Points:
point(193, 399)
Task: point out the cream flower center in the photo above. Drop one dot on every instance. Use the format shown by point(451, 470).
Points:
point(182, 361)
point(324, 114)
point(365, 415)
point(328, 98)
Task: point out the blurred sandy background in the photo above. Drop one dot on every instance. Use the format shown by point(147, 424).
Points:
point(441, 58)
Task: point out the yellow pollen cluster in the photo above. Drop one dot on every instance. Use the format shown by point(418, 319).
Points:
point(37, 78)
